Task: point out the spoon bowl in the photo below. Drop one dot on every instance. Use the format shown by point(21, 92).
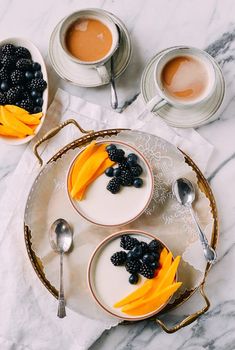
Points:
point(61, 236)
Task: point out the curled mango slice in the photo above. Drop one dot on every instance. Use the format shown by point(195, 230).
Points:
point(11, 121)
point(152, 303)
point(88, 169)
point(6, 131)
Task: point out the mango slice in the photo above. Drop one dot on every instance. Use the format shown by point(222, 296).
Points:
point(169, 276)
point(163, 256)
point(149, 285)
point(8, 119)
point(152, 303)
point(106, 164)
point(80, 161)
point(88, 170)
point(137, 294)
point(163, 280)
point(6, 131)
point(16, 110)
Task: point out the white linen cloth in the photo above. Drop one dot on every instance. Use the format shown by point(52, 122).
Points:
point(27, 310)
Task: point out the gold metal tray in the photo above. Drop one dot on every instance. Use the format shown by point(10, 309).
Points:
point(202, 183)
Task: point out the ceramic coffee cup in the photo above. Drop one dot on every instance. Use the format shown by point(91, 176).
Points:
point(162, 97)
point(103, 17)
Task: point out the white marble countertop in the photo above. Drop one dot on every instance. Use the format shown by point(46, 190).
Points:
point(155, 25)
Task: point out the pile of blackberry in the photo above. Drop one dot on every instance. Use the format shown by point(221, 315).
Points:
point(142, 258)
point(126, 173)
point(21, 79)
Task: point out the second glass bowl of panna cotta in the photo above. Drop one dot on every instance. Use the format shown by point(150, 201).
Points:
point(132, 288)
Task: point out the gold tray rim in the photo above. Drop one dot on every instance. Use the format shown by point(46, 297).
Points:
point(202, 182)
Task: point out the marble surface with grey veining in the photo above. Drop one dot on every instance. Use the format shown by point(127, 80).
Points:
point(155, 25)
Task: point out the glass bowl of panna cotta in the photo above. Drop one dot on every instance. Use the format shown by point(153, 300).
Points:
point(109, 199)
point(132, 275)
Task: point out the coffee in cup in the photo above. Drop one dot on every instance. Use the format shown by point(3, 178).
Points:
point(184, 77)
point(90, 37)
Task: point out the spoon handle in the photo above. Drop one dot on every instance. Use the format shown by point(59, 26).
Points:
point(114, 99)
point(61, 307)
point(209, 252)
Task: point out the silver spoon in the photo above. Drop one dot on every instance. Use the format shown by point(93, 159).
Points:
point(185, 195)
point(61, 238)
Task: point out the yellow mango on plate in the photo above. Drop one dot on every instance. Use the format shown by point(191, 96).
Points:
point(16, 110)
point(8, 119)
point(163, 256)
point(169, 276)
point(106, 164)
point(6, 131)
point(137, 294)
point(88, 170)
point(149, 285)
point(24, 116)
point(153, 303)
point(80, 161)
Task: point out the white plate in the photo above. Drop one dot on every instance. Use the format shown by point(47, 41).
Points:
point(101, 271)
point(37, 57)
point(104, 208)
point(80, 75)
point(186, 118)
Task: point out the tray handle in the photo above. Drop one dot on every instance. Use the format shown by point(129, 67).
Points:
point(53, 132)
point(189, 319)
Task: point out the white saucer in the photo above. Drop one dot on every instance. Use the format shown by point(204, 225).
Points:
point(103, 208)
point(83, 76)
point(178, 117)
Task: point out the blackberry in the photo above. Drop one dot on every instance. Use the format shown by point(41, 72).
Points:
point(114, 185)
point(144, 247)
point(126, 178)
point(154, 265)
point(25, 96)
point(136, 170)
point(14, 94)
point(38, 84)
point(124, 165)
point(155, 246)
point(146, 271)
point(22, 52)
point(118, 258)
point(3, 99)
point(3, 74)
point(132, 266)
point(8, 61)
point(116, 155)
point(8, 49)
point(17, 77)
point(128, 242)
point(133, 279)
point(27, 104)
point(110, 147)
point(24, 64)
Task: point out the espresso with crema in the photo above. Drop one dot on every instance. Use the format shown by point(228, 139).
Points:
point(185, 78)
point(88, 39)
